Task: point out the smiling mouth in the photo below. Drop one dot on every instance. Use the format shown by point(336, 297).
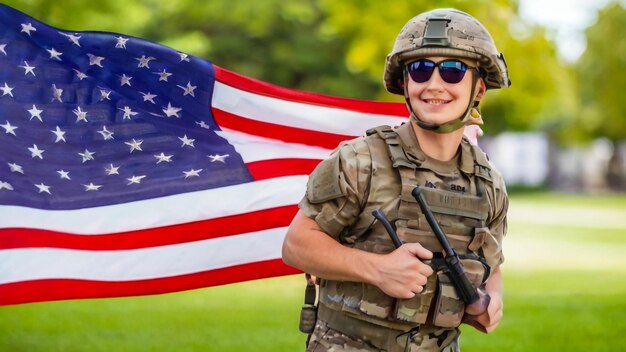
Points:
point(435, 101)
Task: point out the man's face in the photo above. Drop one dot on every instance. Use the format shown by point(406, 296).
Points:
point(437, 101)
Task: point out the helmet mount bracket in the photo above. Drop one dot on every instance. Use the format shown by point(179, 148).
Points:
point(436, 31)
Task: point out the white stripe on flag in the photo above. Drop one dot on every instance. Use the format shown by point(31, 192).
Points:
point(295, 114)
point(254, 148)
point(138, 264)
point(181, 208)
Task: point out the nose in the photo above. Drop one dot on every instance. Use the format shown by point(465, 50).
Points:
point(435, 82)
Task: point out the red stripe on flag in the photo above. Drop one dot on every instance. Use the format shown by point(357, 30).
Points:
point(60, 289)
point(259, 87)
point(226, 226)
point(265, 169)
point(279, 132)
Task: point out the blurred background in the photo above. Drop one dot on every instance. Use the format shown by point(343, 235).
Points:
point(558, 135)
point(563, 121)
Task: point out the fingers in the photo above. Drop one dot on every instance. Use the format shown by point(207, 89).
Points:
point(417, 250)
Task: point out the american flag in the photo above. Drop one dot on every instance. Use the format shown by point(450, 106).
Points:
point(130, 168)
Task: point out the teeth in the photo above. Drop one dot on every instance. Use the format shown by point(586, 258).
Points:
point(436, 102)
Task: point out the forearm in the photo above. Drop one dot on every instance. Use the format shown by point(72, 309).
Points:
point(309, 249)
point(494, 284)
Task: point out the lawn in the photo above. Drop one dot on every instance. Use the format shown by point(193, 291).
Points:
point(565, 290)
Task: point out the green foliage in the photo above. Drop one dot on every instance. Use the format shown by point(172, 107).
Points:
point(601, 73)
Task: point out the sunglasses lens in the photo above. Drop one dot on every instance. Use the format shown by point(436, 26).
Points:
point(452, 71)
point(421, 70)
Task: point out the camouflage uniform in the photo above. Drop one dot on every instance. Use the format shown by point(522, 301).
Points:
point(470, 202)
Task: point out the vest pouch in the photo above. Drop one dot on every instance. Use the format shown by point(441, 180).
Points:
point(375, 302)
point(415, 310)
point(449, 308)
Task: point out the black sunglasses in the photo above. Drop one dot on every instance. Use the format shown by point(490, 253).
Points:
point(451, 71)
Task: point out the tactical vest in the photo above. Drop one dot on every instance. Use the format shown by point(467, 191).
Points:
point(395, 173)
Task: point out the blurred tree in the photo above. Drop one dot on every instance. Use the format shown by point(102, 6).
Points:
point(601, 71)
point(328, 46)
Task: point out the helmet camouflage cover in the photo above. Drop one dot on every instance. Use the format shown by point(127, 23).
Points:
point(445, 32)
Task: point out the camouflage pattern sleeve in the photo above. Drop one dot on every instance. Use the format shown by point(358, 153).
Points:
point(337, 189)
point(497, 225)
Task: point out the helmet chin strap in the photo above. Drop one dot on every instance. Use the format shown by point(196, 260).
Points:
point(471, 111)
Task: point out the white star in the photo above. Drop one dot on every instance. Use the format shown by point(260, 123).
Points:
point(54, 54)
point(163, 75)
point(2, 46)
point(171, 111)
point(60, 135)
point(121, 42)
point(134, 145)
point(16, 168)
point(72, 38)
point(27, 28)
point(217, 157)
point(128, 112)
point(112, 170)
point(43, 188)
point(95, 60)
point(192, 173)
point(87, 155)
point(148, 97)
point(56, 93)
point(5, 185)
point(135, 179)
point(28, 69)
point(36, 152)
point(125, 80)
point(144, 61)
point(64, 174)
point(106, 134)
point(80, 75)
point(105, 94)
point(162, 157)
point(6, 89)
point(80, 115)
point(183, 57)
point(188, 89)
point(9, 129)
point(202, 124)
point(186, 141)
point(92, 187)
point(34, 112)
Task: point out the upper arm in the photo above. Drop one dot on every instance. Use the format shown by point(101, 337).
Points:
point(337, 188)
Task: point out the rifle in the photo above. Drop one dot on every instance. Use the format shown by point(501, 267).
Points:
point(464, 288)
point(466, 291)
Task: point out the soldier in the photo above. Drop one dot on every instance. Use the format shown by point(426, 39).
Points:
point(373, 297)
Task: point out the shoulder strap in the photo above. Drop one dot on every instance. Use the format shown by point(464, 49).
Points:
point(394, 148)
point(482, 167)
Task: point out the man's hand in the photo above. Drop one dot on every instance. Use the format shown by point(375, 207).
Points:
point(401, 273)
point(490, 319)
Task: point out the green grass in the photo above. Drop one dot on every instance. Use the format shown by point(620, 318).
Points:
point(547, 308)
point(606, 201)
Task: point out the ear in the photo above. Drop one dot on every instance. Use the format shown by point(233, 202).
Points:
point(482, 88)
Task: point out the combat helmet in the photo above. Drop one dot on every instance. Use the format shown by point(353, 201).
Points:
point(446, 32)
